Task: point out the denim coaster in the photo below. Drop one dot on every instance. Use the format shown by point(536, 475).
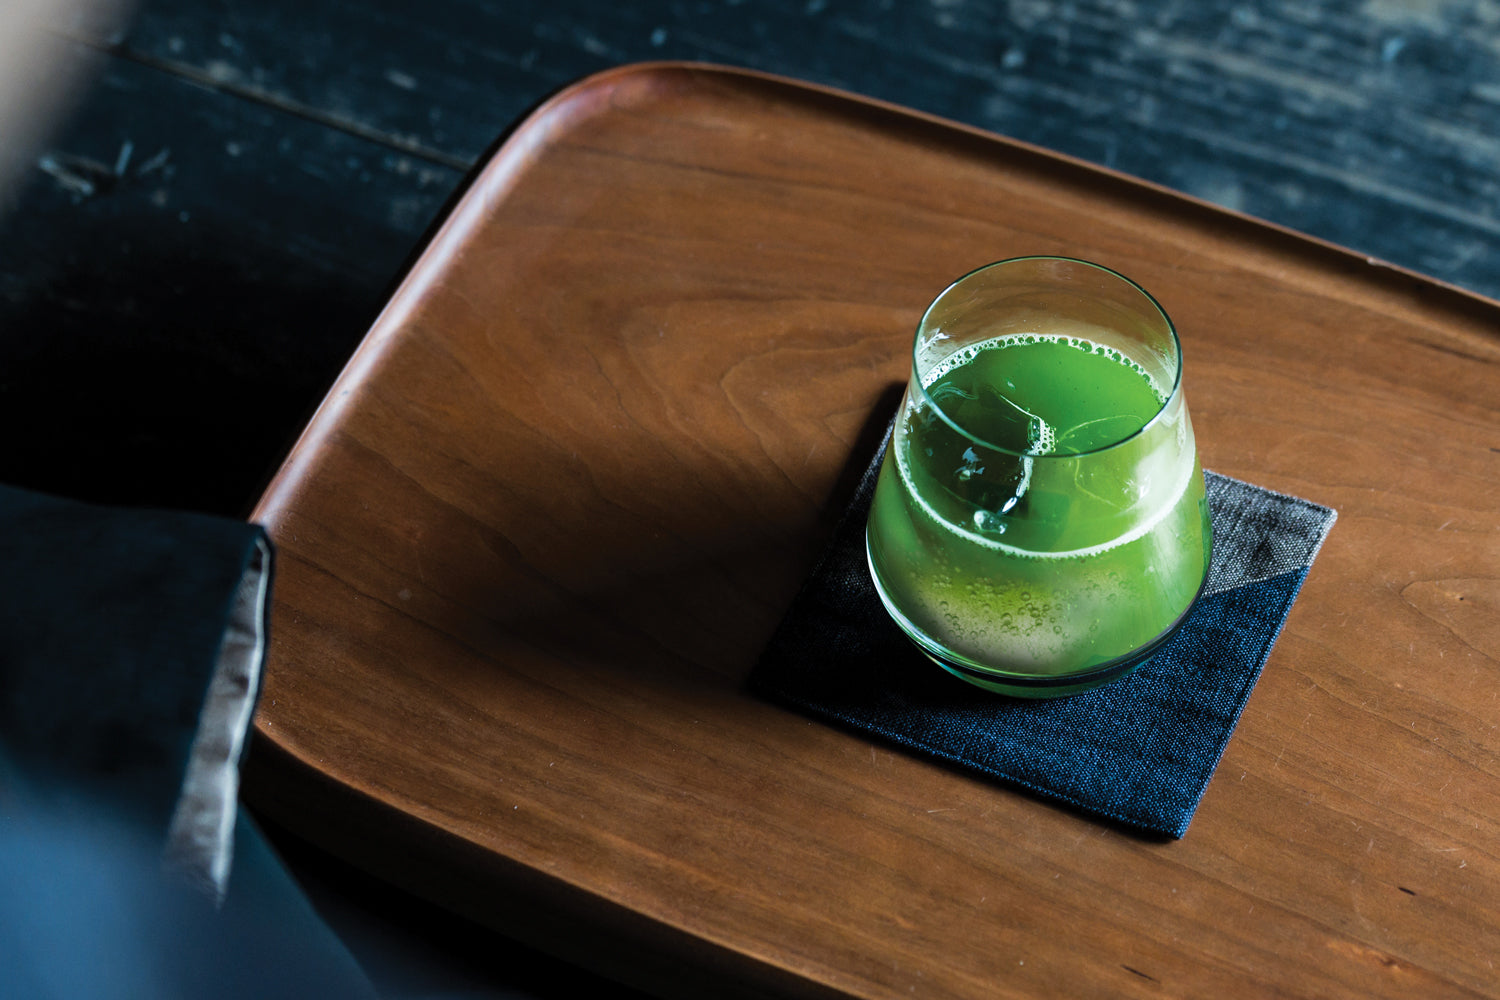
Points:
point(1139, 751)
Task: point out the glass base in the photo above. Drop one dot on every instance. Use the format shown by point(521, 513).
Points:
point(1035, 685)
point(1059, 686)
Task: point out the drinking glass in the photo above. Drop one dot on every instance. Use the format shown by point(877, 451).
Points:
point(1039, 525)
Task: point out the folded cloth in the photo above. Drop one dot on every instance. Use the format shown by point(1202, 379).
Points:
point(130, 652)
point(1139, 751)
point(131, 645)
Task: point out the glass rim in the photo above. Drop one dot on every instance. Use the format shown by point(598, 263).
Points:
point(915, 382)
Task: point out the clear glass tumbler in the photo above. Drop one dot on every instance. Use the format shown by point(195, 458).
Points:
point(1039, 525)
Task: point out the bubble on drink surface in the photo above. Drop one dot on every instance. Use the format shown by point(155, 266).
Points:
point(1042, 436)
point(986, 520)
point(969, 352)
point(910, 443)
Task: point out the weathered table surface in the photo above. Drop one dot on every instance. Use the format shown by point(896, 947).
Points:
point(203, 242)
point(547, 518)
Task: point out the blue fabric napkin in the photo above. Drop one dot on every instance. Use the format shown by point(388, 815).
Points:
point(130, 650)
point(131, 645)
point(1139, 751)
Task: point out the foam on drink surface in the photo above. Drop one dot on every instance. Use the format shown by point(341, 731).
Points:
point(1044, 446)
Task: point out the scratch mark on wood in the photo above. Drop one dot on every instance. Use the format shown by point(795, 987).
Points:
point(399, 79)
point(84, 176)
point(1453, 212)
point(1455, 352)
point(226, 79)
point(1138, 972)
point(156, 162)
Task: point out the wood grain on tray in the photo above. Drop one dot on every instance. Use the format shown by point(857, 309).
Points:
point(544, 523)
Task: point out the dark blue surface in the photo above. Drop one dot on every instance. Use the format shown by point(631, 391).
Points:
point(86, 913)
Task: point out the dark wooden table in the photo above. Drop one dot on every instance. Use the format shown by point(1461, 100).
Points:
point(207, 236)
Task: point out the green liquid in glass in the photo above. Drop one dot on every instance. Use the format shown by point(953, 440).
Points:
point(1069, 535)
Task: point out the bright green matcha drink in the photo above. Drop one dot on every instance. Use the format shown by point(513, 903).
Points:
point(1039, 524)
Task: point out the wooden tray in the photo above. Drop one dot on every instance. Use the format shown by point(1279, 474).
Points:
point(536, 536)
